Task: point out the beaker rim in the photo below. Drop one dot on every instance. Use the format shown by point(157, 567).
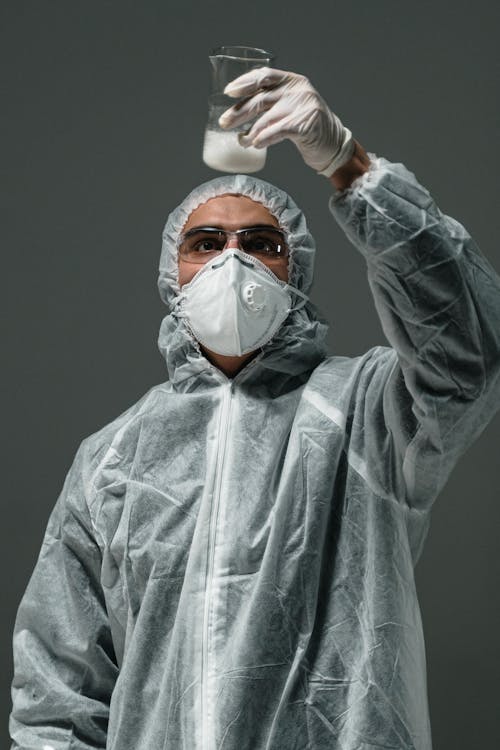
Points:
point(240, 51)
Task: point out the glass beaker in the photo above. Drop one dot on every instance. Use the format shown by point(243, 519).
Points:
point(221, 148)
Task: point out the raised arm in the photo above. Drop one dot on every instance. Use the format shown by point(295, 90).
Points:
point(437, 296)
point(438, 299)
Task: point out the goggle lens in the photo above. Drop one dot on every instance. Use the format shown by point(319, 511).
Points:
point(202, 245)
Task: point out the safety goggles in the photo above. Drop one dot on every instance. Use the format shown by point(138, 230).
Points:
point(200, 244)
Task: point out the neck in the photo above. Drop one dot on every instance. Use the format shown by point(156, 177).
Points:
point(230, 366)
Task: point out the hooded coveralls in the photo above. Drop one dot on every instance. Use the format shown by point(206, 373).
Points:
point(230, 563)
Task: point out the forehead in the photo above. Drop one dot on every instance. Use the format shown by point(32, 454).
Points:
point(230, 211)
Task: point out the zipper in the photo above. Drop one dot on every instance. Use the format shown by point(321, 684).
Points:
point(223, 430)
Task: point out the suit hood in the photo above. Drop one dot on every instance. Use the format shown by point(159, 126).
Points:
point(299, 344)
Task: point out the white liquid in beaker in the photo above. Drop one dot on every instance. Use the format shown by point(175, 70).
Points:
point(222, 151)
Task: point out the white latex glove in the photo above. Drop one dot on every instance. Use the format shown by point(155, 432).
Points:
point(292, 109)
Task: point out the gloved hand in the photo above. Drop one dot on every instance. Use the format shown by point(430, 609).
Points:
point(293, 109)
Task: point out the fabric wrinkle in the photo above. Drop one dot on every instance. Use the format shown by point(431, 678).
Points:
point(230, 562)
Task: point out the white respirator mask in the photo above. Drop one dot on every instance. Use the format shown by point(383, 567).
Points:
point(235, 304)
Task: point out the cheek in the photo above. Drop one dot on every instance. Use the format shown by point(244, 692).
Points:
point(281, 270)
point(186, 272)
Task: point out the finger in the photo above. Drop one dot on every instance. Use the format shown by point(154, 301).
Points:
point(276, 116)
point(248, 109)
point(273, 130)
point(249, 83)
point(274, 133)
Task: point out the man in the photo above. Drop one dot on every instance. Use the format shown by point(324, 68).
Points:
point(230, 561)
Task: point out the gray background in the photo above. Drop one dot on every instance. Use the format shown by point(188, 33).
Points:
point(104, 107)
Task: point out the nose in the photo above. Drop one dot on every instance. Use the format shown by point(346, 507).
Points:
point(232, 241)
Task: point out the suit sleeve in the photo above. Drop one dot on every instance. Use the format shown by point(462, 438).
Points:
point(64, 663)
point(438, 299)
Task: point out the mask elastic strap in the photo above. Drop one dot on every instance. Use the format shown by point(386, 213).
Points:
point(297, 292)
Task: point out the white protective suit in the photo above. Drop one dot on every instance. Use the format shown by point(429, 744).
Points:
point(230, 563)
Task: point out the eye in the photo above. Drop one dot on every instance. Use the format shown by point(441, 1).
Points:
point(205, 242)
point(262, 244)
point(205, 246)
